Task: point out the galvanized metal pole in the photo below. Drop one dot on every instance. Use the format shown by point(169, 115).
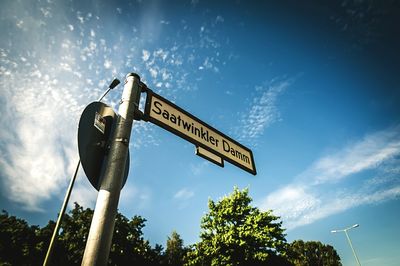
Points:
point(50, 250)
point(351, 245)
point(101, 230)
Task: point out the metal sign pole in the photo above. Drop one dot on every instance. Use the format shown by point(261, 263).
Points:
point(101, 230)
point(50, 250)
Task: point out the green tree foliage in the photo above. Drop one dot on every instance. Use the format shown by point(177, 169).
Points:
point(18, 242)
point(128, 246)
point(175, 250)
point(312, 253)
point(235, 233)
point(60, 251)
point(72, 239)
point(232, 233)
point(21, 244)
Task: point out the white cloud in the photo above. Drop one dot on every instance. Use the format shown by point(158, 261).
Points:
point(83, 193)
point(291, 201)
point(153, 73)
point(80, 18)
point(165, 74)
point(312, 196)
point(263, 111)
point(145, 55)
point(46, 12)
point(36, 159)
point(107, 64)
point(20, 24)
point(297, 207)
point(207, 63)
point(219, 19)
point(184, 194)
point(366, 154)
point(344, 202)
point(161, 53)
point(141, 196)
point(64, 70)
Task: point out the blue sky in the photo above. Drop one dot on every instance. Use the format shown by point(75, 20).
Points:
point(311, 88)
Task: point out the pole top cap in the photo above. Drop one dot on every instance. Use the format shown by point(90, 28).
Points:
point(134, 75)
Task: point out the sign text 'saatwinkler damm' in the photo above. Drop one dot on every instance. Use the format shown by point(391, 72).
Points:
point(171, 117)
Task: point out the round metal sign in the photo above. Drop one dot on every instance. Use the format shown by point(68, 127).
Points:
point(96, 126)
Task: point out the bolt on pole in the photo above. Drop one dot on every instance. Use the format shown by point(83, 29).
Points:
point(102, 227)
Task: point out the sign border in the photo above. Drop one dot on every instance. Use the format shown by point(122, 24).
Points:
point(146, 117)
point(202, 155)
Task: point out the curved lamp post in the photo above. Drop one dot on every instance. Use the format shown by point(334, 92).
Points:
point(348, 239)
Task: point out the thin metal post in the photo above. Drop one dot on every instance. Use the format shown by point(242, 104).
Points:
point(101, 230)
point(351, 245)
point(47, 260)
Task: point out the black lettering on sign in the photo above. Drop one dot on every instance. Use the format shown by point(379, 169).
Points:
point(236, 153)
point(165, 114)
point(226, 146)
point(173, 118)
point(183, 124)
point(186, 125)
point(157, 105)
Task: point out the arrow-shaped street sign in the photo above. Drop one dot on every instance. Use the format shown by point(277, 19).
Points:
point(213, 144)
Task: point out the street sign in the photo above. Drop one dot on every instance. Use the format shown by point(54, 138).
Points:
point(167, 115)
point(95, 129)
point(209, 156)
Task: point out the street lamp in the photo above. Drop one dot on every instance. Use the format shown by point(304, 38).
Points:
point(348, 239)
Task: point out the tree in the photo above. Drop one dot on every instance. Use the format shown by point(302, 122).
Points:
point(155, 256)
point(128, 246)
point(18, 241)
point(175, 251)
point(21, 244)
point(312, 253)
point(59, 255)
point(235, 233)
point(75, 229)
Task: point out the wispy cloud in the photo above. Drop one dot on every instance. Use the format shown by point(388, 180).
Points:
point(263, 110)
point(38, 146)
point(52, 66)
point(142, 196)
point(198, 168)
point(321, 190)
point(184, 194)
point(365, 154)
point(83, 193)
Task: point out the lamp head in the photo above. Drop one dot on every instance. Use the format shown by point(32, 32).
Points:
point(114, 83)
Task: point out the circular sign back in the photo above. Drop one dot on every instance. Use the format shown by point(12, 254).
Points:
point(96, 126)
